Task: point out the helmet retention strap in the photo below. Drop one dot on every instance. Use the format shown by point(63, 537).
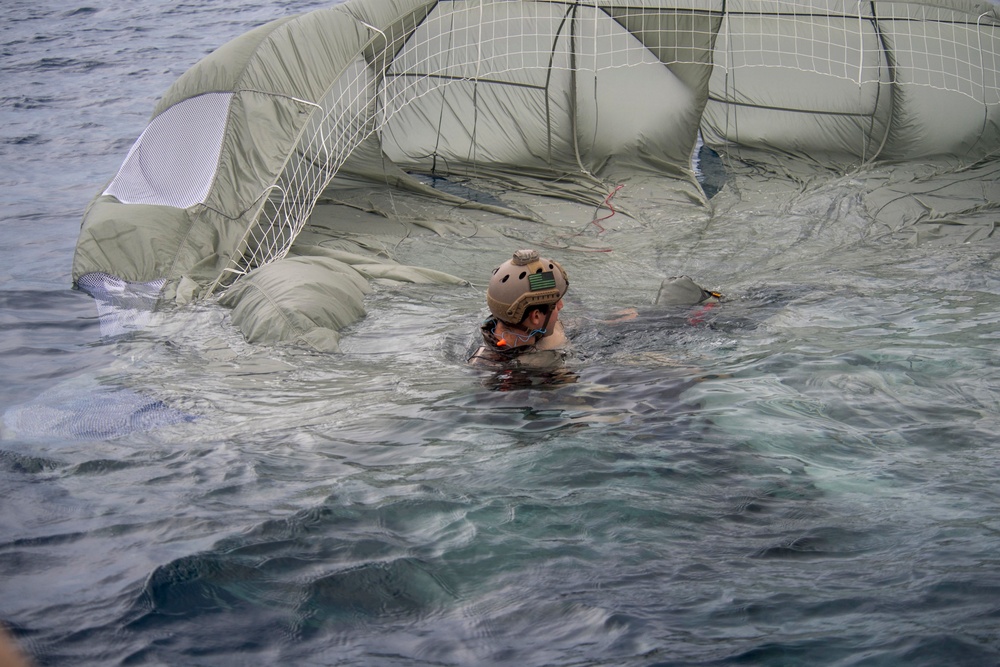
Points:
point(545, 325)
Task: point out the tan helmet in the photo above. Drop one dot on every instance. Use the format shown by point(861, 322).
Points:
point(524, 280)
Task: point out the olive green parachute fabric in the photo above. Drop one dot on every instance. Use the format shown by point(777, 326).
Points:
point(501, 106)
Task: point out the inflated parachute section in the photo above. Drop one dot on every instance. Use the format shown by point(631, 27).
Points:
point(563, 99)
point(844, 83)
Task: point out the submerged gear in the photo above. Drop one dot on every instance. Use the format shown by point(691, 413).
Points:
point(523, 281)
point(682, 291)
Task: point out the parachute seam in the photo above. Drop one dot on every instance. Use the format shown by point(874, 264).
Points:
point(730, 79)
point(771, 107)
point(204, 207)
point(548, 81)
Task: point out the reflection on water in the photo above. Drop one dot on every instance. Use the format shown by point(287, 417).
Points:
point(509, 379)
point(804, 473)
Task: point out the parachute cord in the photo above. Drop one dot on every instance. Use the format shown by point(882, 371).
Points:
point(982, 56)
point(699, 315)
point(444, 90)
point(607, 202)
point(574, 93)
point(890, 68)
point(596, 222)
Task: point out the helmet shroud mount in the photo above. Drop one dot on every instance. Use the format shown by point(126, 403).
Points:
point(523, 281)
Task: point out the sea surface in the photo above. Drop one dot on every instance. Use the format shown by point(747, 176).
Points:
point(805, 475)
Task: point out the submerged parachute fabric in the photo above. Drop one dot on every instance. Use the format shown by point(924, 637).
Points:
point(83, 408)
point(564, 99)
point(122, 307)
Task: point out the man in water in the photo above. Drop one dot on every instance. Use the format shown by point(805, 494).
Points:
point(525, 297)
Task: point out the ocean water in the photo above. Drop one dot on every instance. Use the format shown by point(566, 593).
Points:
point(805, 475)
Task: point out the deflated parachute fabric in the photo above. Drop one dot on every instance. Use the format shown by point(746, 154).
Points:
point(930, 204)
point(373, 268)
point(271, 87)
point(540, 99)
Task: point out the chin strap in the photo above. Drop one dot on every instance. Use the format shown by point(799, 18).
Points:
point(545, 325)
point(527, 335)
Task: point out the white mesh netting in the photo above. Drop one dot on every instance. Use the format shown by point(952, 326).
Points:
point(174, 160)
point(343, 120)
point(929, 46)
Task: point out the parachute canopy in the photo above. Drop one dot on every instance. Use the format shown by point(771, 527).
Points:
point(539, 97)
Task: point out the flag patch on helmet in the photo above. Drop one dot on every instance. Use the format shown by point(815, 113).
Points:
point(540, 281)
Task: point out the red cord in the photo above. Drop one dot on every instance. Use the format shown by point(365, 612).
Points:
point(607, 202)
point(596, 222)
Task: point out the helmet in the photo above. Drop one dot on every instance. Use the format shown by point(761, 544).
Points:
point(523, 281)
point(682, 291)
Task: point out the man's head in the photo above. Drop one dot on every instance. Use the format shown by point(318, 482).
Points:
point(524, 286)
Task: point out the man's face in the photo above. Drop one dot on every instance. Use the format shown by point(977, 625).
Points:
point(538, 317)
point(555, 311)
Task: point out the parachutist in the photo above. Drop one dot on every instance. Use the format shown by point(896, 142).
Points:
point(524, 297)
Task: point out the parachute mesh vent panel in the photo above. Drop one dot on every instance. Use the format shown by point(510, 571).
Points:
point(174, 161)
